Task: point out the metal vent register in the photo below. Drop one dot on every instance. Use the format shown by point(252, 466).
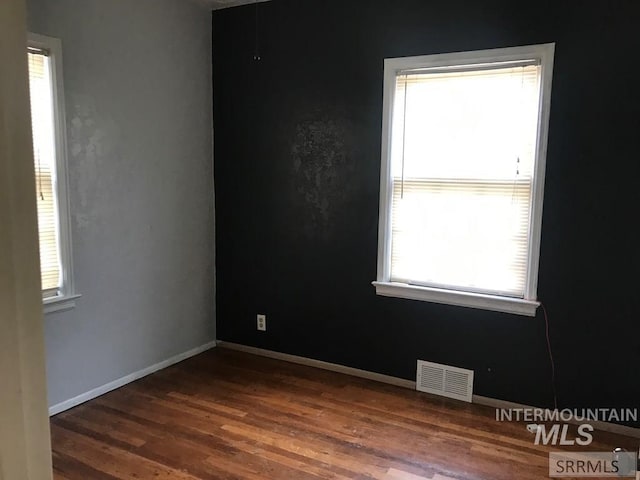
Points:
point(445, 380)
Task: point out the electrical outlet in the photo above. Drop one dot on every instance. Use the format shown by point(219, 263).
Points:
point(262, 322)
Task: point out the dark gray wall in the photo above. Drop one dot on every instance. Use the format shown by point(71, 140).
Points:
point(137, 77)
point(297, 147)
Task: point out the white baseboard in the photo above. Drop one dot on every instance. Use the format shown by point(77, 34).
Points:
point(96, 392)
point(309, 362)
point(401, 382)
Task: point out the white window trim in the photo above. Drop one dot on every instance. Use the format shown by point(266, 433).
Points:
point(521, 306)
point(67, 296)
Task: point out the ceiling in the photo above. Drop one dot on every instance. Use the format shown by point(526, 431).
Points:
point(218, 4)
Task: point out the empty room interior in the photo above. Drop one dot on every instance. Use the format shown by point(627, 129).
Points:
point(319, 239)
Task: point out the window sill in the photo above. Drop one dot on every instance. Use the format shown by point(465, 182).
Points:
point(59, 304)
point(517, 306)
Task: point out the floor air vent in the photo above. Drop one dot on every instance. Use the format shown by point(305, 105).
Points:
point(444, 380)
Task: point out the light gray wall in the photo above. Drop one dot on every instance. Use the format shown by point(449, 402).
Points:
point(137, 77)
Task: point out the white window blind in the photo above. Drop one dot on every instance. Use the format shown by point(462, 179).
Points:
point(42, 118)
point(462, 159)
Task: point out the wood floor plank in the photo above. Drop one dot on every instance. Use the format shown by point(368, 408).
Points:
point(227, 415)
point(109, 459)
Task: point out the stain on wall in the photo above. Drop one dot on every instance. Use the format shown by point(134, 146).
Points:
point(321, 155)
point(95, 146)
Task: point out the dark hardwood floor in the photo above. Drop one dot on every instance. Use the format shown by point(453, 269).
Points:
point(230, 415)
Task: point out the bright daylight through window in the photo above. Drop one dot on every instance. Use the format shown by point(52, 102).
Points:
point(464, 143)
point(44, 61)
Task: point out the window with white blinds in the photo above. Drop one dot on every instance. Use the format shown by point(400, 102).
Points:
point(462, 177)
point(47, 119)
point(44, 153)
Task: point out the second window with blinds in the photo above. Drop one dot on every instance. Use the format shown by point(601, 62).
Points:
point(47, 121)
point(462, 178)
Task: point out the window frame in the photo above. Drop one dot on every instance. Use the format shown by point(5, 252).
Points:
point(521, 306)
point(67, 294)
